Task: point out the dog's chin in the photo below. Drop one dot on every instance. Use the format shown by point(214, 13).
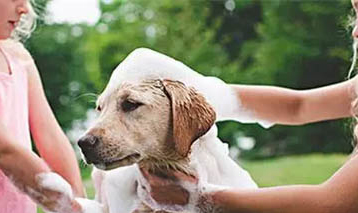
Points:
point(118, 162)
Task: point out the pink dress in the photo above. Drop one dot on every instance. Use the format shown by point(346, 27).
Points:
point(14, 114)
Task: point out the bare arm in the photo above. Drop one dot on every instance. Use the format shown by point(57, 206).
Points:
point(13, 158)
point(338, 194)
point(24, 168)
point(293, 107)
point(292, 199)
point(53, 145)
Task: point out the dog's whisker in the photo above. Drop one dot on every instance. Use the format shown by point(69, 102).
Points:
point(95, 96)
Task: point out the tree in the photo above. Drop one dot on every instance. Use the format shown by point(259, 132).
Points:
point(296, 44)
point(301, 45)
point(58, 55)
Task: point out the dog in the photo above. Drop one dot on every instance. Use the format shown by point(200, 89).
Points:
point(162, 119)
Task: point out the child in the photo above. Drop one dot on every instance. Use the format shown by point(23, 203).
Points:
point(23, 107)
point(283, 106)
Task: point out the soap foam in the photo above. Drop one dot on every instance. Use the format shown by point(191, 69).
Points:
point(143, 64)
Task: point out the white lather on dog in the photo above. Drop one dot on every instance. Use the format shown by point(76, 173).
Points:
point(141, 112)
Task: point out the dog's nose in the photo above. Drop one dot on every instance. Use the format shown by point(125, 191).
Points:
point(88, 142)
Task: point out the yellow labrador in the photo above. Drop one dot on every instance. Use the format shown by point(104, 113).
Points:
point(154, 123)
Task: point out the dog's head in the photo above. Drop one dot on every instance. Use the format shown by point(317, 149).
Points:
point(151, 120)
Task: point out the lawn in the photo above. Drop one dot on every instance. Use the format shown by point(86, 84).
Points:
point(305, 169)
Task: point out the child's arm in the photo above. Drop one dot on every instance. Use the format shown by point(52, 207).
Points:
point(337, 195)
point(51, 142)
point(293, 107)
point(29, 173)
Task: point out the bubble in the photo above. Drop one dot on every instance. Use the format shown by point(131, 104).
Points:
point(148, 14)
point(107, 1)
point(150, 31)
point(230, 5)
point(76, 31)
point(102, 28)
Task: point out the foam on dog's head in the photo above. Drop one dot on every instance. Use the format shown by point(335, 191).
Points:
point(143, 64)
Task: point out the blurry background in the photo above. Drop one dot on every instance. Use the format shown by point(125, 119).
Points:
point(296, 44)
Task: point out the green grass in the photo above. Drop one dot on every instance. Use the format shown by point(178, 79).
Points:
point(305, 169)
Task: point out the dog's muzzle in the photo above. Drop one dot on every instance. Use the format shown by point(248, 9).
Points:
point(88, 144)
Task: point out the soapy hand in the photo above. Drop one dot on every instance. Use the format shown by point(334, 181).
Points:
point(175, 191)
point(56, 196)
point(80, 205)
point(169, 190)
point(54, 193)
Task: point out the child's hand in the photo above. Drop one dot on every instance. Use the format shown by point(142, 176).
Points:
point(50, 203)
point(55, 195)
point(170, 191)
point(79, 205)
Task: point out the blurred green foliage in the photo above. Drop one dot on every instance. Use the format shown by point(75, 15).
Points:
point(295, 44)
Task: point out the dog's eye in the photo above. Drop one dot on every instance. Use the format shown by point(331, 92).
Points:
point(98, 108)
point(128, 105)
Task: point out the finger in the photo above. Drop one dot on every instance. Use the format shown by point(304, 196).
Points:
point(76, 207)
point(185, 177)
point(171, 195)
point(157, 176)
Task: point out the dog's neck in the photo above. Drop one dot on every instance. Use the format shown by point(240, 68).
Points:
point(168, 164)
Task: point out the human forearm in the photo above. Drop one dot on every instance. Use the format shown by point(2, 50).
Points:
point(21, 165)
point(338, 194)
point(205, 198)
point(67, 167)
point(291, 199)
point(49, 138)
point(27, 171)
point(274, 104)
point(56, 150)
point(293, 107)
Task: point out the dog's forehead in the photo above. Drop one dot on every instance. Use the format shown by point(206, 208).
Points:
point(140, 90)
point(144, 64)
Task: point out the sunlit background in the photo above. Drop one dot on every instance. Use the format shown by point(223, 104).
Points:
point(295, 44)
point(74, 12)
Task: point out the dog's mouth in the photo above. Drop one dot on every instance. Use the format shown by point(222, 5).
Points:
point(119, 162)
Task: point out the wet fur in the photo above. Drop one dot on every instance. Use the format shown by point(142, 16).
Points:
point(170, 114)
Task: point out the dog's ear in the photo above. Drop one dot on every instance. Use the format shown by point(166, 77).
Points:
point(192, 116)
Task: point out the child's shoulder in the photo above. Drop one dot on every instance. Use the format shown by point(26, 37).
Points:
point(16, 49)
